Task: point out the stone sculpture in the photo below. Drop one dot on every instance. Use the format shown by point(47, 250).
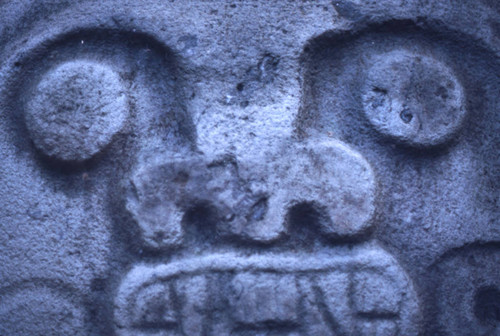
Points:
point(212, 287)
point(249, 168)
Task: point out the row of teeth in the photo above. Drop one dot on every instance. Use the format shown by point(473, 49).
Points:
point(260, 290)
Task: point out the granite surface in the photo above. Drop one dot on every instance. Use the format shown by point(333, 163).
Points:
point(250, 167)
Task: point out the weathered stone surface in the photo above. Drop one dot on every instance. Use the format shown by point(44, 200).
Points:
point(253, 201)
point(467, 291)
point(275, 201)
point(76, 109)
point(413, 98)
point(249, 168)
point(303, 293)
point(41, 308)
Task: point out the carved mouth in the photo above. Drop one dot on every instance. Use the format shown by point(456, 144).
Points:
point(230, 293)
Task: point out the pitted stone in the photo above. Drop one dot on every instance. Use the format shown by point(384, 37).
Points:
point(333, 179)
point(161, 195)
point(467, 291)
point(76, 109)
point(413, 98)
point(377, 328)
point(361, 141)
point(192, 294)
point(254, 204)
point(154, 308)
point(264, 298)
point(376, 294)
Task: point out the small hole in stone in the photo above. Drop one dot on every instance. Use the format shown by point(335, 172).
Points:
point(442, 92)
point(379, 90)
point(487, 304)
point(406, 116)
point(239, 87)
point(258, 210)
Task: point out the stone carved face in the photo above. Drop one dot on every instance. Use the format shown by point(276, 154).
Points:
point(298, 281)
point(275, 242)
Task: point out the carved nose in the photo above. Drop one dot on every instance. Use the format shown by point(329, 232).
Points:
point(160, 197)
point(251, 202)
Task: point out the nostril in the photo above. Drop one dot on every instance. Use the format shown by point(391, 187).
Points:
point(159, 236)
point(303, 218)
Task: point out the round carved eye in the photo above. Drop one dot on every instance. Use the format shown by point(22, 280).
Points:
point(413, 98)
point(76, 109)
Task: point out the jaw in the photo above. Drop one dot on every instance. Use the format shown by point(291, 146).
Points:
point(231, 293)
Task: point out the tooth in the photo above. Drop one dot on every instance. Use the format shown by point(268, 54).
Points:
point(376, 295)
point(153, 307)
point(333, 291)
point(263, 298)
point(313, 320)
point(193, 295)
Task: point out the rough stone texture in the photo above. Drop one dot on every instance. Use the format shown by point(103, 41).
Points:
point(252, 200)
point(249, 168)
point(413, 98)
point(331, 290)
point(75, 110)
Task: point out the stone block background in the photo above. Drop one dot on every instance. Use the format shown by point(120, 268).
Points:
point(250, 167)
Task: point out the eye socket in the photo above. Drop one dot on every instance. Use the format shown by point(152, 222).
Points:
point(75, 93)
point(467, 295)
point(396, 85)
point(76, 109)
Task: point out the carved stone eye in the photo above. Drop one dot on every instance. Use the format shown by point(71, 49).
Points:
point(76, 109)
point(413, 98)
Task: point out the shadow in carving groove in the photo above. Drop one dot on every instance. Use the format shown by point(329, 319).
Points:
point(483, 304)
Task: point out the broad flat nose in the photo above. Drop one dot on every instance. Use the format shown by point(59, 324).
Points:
point(251, 201)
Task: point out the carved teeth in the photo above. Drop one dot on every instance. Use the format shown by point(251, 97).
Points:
point(266, 298)
point(263, 292)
